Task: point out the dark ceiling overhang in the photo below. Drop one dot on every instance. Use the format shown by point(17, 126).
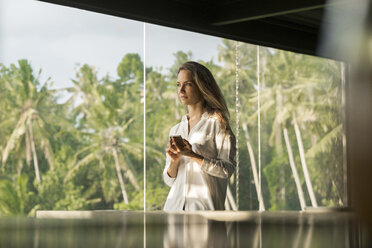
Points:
point(293, 25)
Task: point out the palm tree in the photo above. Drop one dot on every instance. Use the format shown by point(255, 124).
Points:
point(29, 113)
point(284, 87)
point(294, 170)
point(106, 116)
point(303, 87)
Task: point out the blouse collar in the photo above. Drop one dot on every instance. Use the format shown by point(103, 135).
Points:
point(204, 115)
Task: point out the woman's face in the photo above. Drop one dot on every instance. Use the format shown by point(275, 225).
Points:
point(187, 90)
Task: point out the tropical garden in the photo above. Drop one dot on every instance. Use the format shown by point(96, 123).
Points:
point(87, 152)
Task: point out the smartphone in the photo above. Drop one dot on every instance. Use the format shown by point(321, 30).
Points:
point(178, 140)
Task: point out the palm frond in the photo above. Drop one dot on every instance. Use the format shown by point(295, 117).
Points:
point(18, 131)
point(86, 160)
point(48, 152)
point(326, 142)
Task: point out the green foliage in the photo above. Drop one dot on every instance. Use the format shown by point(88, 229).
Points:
point(84, 146)
point(130, 68)
point(15, 199)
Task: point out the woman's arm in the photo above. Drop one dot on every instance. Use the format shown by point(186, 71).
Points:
point(173, 170)
point(171, 164)
point(196, 157)
point(224, 165)
point(187, 151)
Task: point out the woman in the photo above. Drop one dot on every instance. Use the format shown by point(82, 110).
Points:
point(198, 169)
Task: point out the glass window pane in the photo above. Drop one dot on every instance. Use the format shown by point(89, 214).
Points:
point(301, 131)
point(70, 142)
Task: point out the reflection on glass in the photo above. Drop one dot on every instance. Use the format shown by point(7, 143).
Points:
point(179, 233)
point(203, 229)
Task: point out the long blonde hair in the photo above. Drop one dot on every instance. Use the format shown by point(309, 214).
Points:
point(213, 100)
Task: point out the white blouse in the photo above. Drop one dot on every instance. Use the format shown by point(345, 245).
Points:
point(201, 187)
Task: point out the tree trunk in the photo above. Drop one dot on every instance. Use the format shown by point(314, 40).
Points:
point(130, 174)
point(19, 168)
point(120, 177)
point(28, 149)
point(33, 149)
point(304, 165)
point(279, 146)
point(294, 170)
point(253, 163)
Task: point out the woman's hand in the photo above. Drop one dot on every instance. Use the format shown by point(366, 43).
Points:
point(172, 151)
point(185, 149)
point(174, 157)
point(175, 152)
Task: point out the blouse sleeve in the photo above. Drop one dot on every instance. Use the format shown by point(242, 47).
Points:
point(224, 165)
point(167, 179)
